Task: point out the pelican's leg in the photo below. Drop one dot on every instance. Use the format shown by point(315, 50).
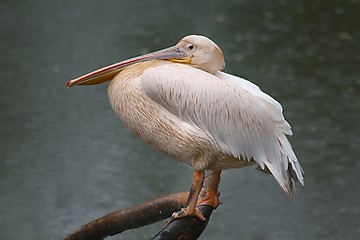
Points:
point(211, 197)
point(191, 210)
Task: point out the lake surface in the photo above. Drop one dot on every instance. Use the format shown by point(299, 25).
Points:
point(65, 159)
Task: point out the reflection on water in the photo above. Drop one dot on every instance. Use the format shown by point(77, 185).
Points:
point(65, 158)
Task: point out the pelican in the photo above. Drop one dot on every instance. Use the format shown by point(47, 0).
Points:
point(180, 102)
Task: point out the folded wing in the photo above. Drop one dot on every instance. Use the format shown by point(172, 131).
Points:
point(243, 121)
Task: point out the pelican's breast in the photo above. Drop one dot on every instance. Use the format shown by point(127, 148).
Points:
point(152, 122)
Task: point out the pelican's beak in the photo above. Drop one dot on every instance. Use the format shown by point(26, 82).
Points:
point(109, 72)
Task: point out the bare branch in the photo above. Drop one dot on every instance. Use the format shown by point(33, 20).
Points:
point(148, 213)
point(135, 217)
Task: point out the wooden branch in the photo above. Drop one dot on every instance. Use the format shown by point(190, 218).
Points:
point(145, 214)
point(189, 228)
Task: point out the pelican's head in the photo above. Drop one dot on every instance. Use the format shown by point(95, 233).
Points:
point(198, 51)
point(204, 53)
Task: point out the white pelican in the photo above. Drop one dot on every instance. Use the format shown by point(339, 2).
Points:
point(180, 102)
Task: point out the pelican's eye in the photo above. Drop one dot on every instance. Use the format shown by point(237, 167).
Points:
point(190, 47)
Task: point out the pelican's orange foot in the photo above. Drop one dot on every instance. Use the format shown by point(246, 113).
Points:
point(211, 198)
point(185, 212)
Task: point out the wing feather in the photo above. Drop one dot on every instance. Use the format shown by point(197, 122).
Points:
point(243, 121)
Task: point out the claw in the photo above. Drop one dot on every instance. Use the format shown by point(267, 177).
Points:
point(184, 212)
point(199, 215)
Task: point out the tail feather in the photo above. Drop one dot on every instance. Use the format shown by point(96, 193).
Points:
point(287, 169)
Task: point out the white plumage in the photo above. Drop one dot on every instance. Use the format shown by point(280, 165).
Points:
point(240, 119)
point(178, 101)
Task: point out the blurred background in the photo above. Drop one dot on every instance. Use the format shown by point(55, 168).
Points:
point(65, 158)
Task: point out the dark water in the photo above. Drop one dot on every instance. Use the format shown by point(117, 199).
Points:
point(65, 159)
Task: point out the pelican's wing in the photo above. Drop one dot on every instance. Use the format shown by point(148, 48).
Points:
point(242, 120)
